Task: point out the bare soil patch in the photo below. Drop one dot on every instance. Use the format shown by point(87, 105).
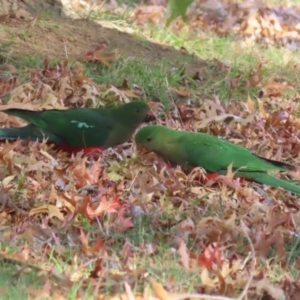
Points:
point(61, 38)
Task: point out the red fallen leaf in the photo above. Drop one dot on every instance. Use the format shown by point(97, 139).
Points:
point(232, 182)
point(276, 220)
point(278, 117)
point(97, 269)
point(205, 259)
point(96, 168)
point(126, 252)
point(211, 254)
point(121, 222)
point(90, 55)
point(70, 200)
point(256, 77)
point(79, 78)
point(223, 285)
point(279, 244)
point(210, 176)
point(97, 246)
point(234, 82)
point(100, 55)
point(183, 50)
point(83, 206)
point(83, 240)
point(148, 14)
point(254, 80)
point(274, 88)
point(86, 248)
point(197, 76)
point(105, 206)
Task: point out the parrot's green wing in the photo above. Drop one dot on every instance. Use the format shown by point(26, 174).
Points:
point(215, 155)
point(88, 127)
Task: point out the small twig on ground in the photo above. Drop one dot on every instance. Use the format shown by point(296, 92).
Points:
point(253, 262)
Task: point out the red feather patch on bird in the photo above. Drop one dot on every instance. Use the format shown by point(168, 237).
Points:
point(75, 149)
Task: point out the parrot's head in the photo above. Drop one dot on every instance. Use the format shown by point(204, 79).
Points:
point(163, 141)
point(135, 113)
point(150, 137)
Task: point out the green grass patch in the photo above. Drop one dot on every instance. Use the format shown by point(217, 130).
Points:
point(15, 283)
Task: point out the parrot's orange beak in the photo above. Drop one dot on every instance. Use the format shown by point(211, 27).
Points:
point(141, 149)
point(149, 117)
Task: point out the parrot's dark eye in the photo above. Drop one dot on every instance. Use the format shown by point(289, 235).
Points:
point(137, 111)
point(149, 138)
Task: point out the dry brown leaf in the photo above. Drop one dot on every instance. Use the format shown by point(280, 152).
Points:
point(105, 206)
point(182, 92)
point(42, 293)
point(7, 180)
point(184, 255)
point(275, 89)
point(206, 280)
point(52, 210)
point(159, 290)
point(100, 54)
point(228, 118)
point(264, 285)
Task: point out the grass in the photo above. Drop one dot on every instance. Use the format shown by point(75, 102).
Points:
point(14, 285)
point(153, 79)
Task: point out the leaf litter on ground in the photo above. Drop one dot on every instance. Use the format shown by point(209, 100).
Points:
point(54, 205)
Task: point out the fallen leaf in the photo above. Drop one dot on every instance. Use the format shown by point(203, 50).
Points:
point(184, 255)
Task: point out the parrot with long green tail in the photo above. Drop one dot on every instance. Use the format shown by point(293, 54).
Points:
point(191, 149)
point(77, 129)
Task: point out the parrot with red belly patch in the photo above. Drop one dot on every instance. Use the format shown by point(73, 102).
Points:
point(79, 129)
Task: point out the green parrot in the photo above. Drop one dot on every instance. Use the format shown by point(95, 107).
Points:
point(190, 149)
point(79, 129)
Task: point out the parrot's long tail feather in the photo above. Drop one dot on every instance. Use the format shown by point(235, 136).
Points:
point(16, 133)
point(29, 132)
point(267, 179)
